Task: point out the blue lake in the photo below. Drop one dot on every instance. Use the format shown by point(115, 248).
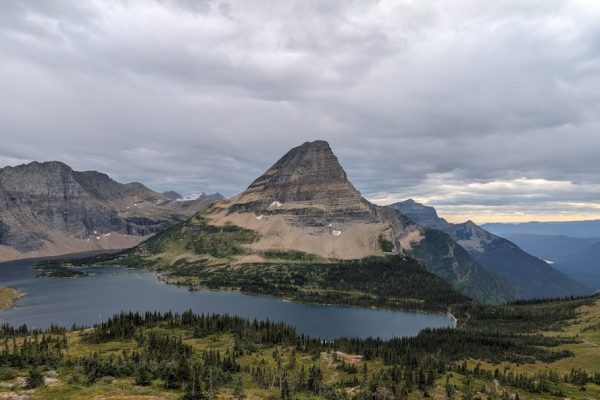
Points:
point(87, 300)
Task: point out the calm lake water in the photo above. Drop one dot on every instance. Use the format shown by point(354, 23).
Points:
point(91, 299)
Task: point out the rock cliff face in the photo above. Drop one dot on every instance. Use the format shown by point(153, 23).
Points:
point(530, 276)
point(49, 209)
point(308, 186)
point(306, 203)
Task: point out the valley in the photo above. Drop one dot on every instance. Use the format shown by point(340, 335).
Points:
point(298, 287)
point(576, 257)
point(299, 200)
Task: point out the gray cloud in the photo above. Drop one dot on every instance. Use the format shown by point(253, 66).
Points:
point(433, 100)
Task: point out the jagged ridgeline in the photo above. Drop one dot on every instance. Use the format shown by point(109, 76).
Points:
point(302, 225)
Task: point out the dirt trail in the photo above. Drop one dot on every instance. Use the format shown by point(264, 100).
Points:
point(330, 364)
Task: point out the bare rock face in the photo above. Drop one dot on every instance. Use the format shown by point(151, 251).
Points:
point(49, 209)
point(309, 185)
point(307, 173)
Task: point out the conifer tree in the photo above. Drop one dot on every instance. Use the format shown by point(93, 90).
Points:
point(193, 389)
point(238, 389)
point(35, 378)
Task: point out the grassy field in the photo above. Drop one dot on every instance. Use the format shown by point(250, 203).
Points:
point(8, 297)
point(585, 329)
point(69, 387)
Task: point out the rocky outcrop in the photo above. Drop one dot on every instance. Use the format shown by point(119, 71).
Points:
point(530, 276)
point(170, 194)
point(49, 209)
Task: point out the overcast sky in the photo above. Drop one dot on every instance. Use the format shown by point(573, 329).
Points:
point(488, 110)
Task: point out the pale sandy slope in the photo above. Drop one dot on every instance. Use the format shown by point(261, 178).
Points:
point(63, 244)
point(281, 228)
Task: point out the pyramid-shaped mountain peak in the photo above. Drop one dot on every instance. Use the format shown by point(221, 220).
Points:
point(309, 172)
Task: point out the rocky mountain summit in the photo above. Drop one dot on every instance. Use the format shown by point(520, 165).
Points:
point(308, 177)
point(50, 209)
point(531, 276)
point(305, 203)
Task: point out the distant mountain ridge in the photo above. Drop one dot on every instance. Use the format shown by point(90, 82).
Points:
point(305, 204)
point(578, 258)
point(554, 248)
point(50, 209)
point(529, 275)
point(576, 229)
point(583, 266)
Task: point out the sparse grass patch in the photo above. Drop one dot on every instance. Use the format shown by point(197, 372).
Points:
point(292, 255)
point(8, 296)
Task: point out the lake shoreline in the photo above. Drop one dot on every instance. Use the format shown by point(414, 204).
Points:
point(453, 318)
point(195, 288)
point(165, 279)
point(65, 302)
